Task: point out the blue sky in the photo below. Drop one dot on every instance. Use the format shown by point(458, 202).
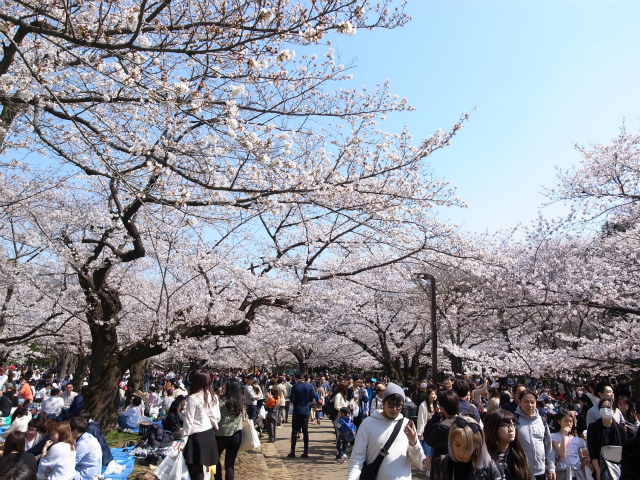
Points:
point(543, 74)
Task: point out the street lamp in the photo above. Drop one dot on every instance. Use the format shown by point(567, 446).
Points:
point(434, 328)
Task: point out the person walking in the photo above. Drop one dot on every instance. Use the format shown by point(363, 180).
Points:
point(535, 437)
point(201, 421)
point(376, 430)
point(229, 433)
point(302, 394)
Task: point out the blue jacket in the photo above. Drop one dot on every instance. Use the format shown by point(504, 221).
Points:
point(302, 393)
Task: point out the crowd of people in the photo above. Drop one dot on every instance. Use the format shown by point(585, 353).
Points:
point(461, 428)
point(49, 434)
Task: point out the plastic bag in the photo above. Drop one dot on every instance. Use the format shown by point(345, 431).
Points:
point(250, 440)
point(173, 467)
point(164, 469)
point(114, 467)
point(179, 470)
point(262, 414)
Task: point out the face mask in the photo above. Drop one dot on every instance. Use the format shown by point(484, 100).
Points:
point(606, 413)
point(423, 385)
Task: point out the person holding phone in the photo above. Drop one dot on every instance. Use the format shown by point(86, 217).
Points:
point(373, 434)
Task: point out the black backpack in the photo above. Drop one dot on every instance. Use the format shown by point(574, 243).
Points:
point(329, 410)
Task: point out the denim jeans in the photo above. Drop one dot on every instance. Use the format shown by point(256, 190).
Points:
point(341, 446)
point(252, 412)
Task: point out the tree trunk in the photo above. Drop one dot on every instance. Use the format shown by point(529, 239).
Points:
point(456, 362)
point(80, 374)
point(136, 379)
point(65, 361)
point(102, 398)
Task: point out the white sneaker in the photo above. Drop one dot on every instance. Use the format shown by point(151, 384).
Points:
point(342, 459)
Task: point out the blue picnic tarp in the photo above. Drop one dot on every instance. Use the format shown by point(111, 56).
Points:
point(121, 456)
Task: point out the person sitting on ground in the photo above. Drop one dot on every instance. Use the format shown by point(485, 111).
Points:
point(88, 450)
point(53, 404)
point(25, 392)
point(46, 428)
point(20, 422)
point(13, 452)
point(172, 422)
point(93, 428)
point(68, 395)
point(131, 417)
point(5, 403)
point(76, 406)
point(19, 471)
point(59, 455)
point(32, 437)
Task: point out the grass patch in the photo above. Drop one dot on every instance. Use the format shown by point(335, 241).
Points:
point(117, 439)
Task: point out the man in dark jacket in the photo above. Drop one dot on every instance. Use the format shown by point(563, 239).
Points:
point(436, 431)
point(302, 394)
point(94, 429)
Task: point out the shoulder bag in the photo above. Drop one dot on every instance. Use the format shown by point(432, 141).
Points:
point(370, 471)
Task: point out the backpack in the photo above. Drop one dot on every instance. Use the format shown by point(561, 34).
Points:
point(329, 410)
point(471, 413)
point(347, 430)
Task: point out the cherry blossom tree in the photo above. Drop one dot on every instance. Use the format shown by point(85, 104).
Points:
point(196, 162)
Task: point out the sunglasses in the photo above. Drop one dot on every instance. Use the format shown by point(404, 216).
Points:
point(461, 422)
point(397, 406)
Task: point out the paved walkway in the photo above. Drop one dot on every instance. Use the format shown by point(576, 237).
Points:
point(321, 463)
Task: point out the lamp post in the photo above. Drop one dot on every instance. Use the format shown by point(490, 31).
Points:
point(434, 328)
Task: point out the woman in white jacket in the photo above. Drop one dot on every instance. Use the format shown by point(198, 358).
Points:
point(200, 423)
point(58, 460)
point(425, 411)
point(374, 432)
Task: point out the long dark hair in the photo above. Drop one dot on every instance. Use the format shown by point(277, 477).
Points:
point(201, 382)
point(343, 389)
point(559, 416)
point(492, 423)
point(630, 416)
point(15, 441)
point(233, 396)
point(175, 404)
point(431, 406)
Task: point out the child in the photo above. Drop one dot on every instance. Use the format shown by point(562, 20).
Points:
point(346, 434)
point(272, 414)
